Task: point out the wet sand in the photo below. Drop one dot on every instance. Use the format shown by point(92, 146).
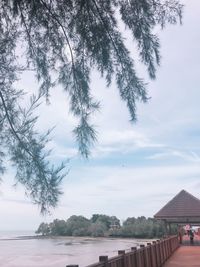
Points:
point(38, 251)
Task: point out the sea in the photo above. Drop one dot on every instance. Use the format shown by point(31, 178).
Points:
point(23, 249)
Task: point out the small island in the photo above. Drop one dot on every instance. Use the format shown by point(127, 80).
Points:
point(100, 225)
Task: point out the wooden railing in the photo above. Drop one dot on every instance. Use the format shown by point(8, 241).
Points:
point(152, 255)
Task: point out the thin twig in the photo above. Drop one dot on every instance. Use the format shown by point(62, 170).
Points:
point(12, 127)
point(27, 31)
point(68, 43)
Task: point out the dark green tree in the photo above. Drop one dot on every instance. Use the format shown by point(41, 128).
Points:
point(142, 227)
point(107, 221)
point(78, 226)
point(129, 221)
point(43, 229)
point(97, 229)
point(58, 227)
point(61, 42)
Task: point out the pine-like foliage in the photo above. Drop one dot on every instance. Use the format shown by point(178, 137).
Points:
point(68, 38)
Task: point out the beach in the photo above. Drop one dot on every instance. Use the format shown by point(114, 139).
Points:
point(33, 251)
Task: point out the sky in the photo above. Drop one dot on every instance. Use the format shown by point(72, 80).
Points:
point(134, 169)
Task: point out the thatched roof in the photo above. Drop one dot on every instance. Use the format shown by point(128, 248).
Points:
point(184, 207)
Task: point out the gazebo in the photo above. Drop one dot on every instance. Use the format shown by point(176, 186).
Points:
point(183, 209)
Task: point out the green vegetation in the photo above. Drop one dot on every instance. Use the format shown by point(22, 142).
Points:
point(102, 226)
point(61, 43)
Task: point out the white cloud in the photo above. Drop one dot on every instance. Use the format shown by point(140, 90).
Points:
point(188, 156)
point(61, 151)
point(124, 142)
point(120, 191)
point(128, 191)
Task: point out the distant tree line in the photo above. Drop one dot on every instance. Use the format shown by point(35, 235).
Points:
point(100, 225)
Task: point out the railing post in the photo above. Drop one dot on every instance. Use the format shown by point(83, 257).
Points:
point(133, 257)
point(156, 253)
point(159, 253)
point(167, 249)
point(133, 248)
point(142, 255)
point(170, 246)
point(103, 258)
point(138, 258)
point(122, 253)
point(148, 255)
point(164, 250)
point(153, 255)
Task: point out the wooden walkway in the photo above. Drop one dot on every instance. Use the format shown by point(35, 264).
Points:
point(185, 256)
point(161, 253)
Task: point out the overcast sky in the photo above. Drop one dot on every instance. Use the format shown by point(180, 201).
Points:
point(134, 168)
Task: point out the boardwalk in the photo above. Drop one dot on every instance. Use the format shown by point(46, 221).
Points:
point(161, 253)
point(152, 255)
point(185, 256)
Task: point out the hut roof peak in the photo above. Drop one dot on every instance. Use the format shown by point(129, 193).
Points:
point(183, 204)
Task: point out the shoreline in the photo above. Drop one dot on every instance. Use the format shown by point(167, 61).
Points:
point(84, 238)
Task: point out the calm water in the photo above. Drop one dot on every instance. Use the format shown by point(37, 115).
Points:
point(57, 252)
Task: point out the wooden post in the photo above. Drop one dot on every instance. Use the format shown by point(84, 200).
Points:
point(156, 253)
point(142, 256)
point(121, 252)
point(170, 230)
point(148, 255)
point(153, 254)
point(166, 229)
point(159, 252)
point(103, 258)
point(133, 248)
point(134, 256)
